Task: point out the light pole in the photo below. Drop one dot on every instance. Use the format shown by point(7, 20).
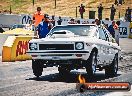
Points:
point(76, 12)
point(10, 6)
point(33, 2)
point(54, 7)
point(119, 10)
point(10, 9)
point(55, 4)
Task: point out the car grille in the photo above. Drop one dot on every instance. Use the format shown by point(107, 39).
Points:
point(56, 46)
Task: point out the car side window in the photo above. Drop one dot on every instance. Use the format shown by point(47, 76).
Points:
point(101, 34)
point(106, 34)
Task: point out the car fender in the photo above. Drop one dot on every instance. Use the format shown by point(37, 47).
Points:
point(93, 46)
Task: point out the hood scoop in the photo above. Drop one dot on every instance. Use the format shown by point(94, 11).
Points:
point(62, 34)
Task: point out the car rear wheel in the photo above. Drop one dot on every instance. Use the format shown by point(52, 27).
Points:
point(112, 69)
point(91, 63)
point(63, 71)
point(37, 67)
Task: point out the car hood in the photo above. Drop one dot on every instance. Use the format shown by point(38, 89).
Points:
point(74, 39)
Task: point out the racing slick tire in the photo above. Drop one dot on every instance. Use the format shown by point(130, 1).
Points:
point(112, 69)
point(91, 64)
point(37, 67)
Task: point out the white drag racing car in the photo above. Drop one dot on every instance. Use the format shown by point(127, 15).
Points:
point(73, 47)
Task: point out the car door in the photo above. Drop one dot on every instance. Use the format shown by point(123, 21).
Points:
point(103, 47)
point(112, 43)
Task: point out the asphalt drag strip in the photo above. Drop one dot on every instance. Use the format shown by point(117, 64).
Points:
point(17, 79)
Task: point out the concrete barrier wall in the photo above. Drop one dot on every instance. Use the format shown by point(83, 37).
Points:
point(17, 31)
point(3, 38)
point(15, 47)
point(7, 20)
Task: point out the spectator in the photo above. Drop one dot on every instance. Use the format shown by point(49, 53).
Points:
point(84, 22)
point(120, 2)
point(118, 23)
point(82, 10)
point(115, 25)
point(72, 21)
point(112, 28)
point(44, 27)
point(78, 21)
point(107, 19)
point(100, 9)
point(93, 22)
point(37, 17)
point(112, 14)
point(59, 21)
point(128, 14)
point(117, 31)
point(75, 22)
point(116, 2)
point(97, 22)
point(53, 20)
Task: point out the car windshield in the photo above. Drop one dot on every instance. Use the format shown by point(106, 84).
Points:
point(81, 30)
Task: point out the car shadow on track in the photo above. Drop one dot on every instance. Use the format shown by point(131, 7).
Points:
point(71, 78)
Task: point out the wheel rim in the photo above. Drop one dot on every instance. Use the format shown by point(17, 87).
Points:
point(94, 63)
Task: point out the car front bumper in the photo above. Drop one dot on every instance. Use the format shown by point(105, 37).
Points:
point(59, 55)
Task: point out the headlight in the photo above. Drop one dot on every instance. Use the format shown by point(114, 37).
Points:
point(33, 46)
point(79, 45)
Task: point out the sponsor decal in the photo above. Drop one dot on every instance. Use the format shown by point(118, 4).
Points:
point(26, 19)
point(22, 47)
point(123, 30)
point(111, 86)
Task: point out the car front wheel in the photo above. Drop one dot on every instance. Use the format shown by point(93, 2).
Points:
point(91, 63)
point(37, 67)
